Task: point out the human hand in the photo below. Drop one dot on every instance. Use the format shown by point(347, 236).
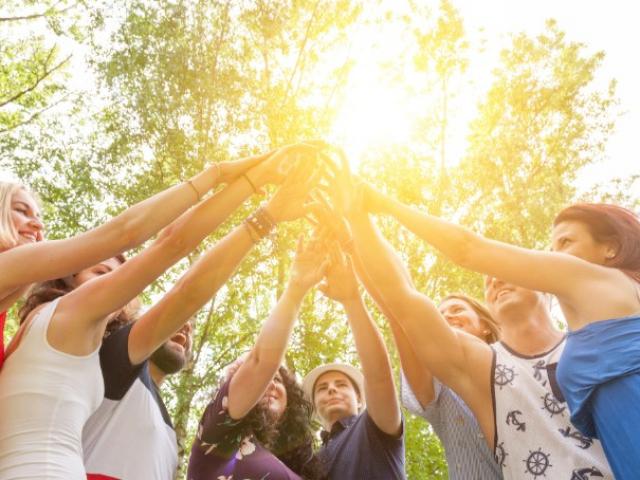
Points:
point(228, 172)
point(340, 281)
point(277, 166)
point(328, 216)
point(309, 265)
point(290, 201)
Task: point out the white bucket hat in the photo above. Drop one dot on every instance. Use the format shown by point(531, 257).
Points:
point(353, 373)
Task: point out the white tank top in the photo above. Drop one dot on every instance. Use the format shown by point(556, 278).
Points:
point(46, 397)
point(534, 436)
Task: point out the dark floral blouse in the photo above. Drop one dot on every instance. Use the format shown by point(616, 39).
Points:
point(221, 451)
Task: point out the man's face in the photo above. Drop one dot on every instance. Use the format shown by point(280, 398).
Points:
point(502, 297)
point(335, 397)
point(174, 354)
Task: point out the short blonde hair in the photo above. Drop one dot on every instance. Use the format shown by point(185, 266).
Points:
point(8, 233)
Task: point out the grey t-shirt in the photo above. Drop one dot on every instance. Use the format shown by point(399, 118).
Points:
point(468, 455)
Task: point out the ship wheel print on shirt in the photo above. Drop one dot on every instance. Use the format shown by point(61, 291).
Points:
point(552, 405)
point(537, 463)
point(501, 455)
point(504, 375)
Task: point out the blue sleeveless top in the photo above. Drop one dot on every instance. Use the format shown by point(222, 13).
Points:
point(598, 353)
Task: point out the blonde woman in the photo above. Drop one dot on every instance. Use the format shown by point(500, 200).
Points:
point(37, 260)
point(52, 382)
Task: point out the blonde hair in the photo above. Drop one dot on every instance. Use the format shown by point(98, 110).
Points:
point(8, 233)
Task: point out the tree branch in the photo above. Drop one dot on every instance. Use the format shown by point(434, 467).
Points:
point(35, 115)
point(46, 13)
point(300, 52)
point(47, 72)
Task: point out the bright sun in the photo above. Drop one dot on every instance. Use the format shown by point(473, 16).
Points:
point(373, 116)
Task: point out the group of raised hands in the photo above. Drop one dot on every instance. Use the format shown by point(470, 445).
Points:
point(316, 183)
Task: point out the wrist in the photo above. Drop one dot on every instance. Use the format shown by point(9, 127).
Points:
point(272, 211)
point(256, 176)
point(260, 223)
point(296, 290)
point(353, 302)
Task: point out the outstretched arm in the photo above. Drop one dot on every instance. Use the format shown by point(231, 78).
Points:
point(415, 372)
point(380, 392)
point(252, 378)
point(566, 276)
point(114, 290)
point(455, 359)
point(59, 258)
point(206, 276)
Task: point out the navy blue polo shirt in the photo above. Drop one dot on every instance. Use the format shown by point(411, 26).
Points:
point(356, 449)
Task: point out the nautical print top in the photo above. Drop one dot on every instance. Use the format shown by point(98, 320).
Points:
point(468, 455)
point(130, 436)
point(534, 436)
point(220, 451)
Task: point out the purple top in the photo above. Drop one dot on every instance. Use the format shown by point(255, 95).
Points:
point(221, 451)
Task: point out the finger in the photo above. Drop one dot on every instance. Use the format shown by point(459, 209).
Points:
point(310, 219)
point(300, 246)
point(334, 255)
point(324, 267)
point(327, 161)
point(324, 288)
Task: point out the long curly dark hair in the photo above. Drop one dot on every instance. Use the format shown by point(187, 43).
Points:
point(48, 291)
point(291, 438)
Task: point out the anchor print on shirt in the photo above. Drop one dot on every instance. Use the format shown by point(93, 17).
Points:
point(586, 473)
point(512, 419)
point(583, 442)
point(538, 368)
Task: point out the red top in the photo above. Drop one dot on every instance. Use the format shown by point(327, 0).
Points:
point(3, 317)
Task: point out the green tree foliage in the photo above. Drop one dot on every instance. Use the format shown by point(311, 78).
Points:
point(181, 84)
point(31, 67)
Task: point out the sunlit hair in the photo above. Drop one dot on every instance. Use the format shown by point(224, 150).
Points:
point(610, 223)
point(483, 314)
point(48, 291)
point(289, 438)
point(8, 233)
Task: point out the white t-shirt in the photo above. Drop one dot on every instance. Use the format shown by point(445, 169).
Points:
point(130, 436)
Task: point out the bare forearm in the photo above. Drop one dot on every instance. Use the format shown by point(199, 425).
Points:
point(385, 274)
point(418, 376)
point(274, 335)
point(369, 343)
point(201, 282)
point(115, 290)
point(60, 258)
point(252, 378)
point(452, 240)
point(380, 391)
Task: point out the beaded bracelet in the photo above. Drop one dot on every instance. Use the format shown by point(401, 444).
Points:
point(261, 223)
